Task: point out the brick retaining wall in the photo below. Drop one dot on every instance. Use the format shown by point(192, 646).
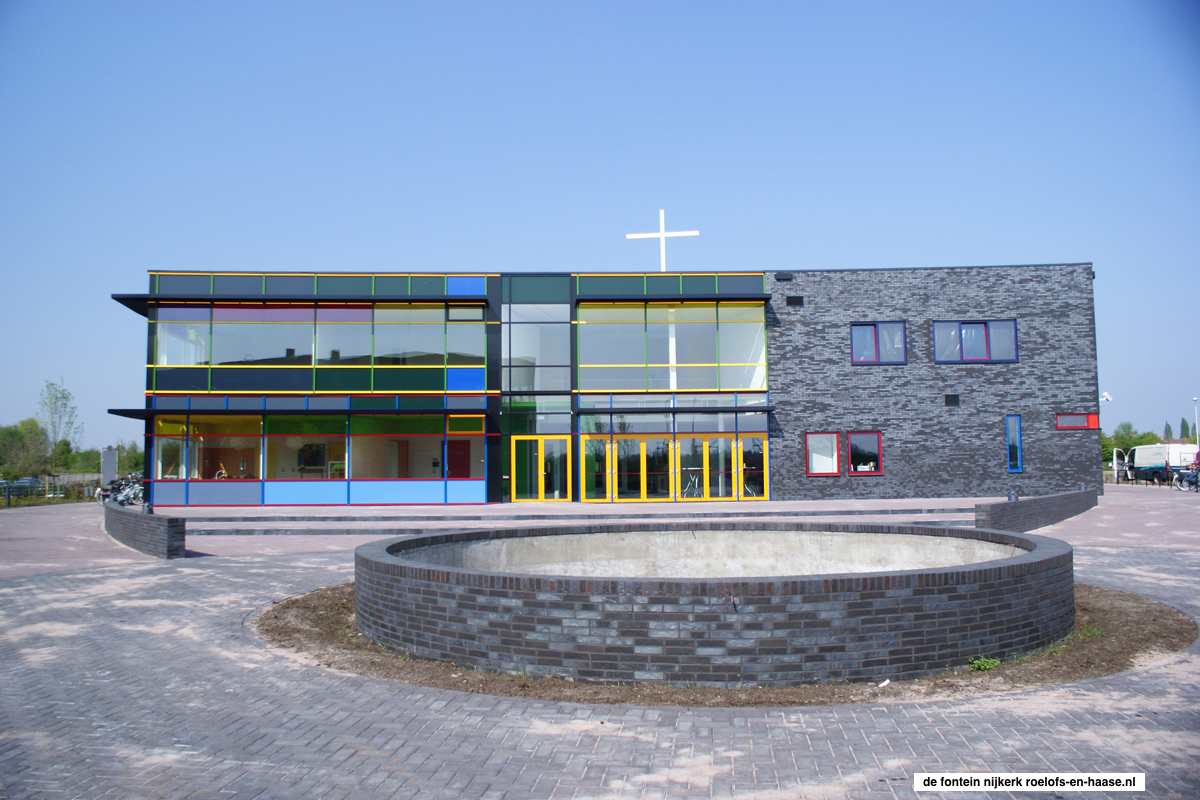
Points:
point(151, 534)
point(1030, 513)
point(773, 631)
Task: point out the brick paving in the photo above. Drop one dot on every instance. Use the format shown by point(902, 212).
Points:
point(144, 679)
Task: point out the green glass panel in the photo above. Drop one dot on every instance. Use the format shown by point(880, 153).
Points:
point(611, 285)
point(343, 380)
point(344, 285)
point(540, 289)
point(465, 424)
point(276, 425)
point(595, 469)
point(410, 380)
point(629, 468)
point(391, 285)
point(434, 285)
point(699, 284)
point(421, 401)
point(425, 423)
point(527, 470)
point(662, 284)
point(387, 403)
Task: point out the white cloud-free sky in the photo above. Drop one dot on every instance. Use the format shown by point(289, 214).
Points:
point(534, 136)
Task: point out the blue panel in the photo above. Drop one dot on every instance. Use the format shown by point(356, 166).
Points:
point(460, 285)
point(224, 493)
point(387, 492)
point(466, 491)
point(466, 380)
point(167, 493)
point(304, 493)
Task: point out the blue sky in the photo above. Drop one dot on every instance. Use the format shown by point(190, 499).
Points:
point(513, 136)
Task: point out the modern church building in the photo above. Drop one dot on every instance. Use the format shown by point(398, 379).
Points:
point(397, 388)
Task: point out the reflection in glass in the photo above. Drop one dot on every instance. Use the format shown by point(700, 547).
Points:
point(527, 469)
point(1002, 338)
point(822, 453)
point(743, 343)
point(974, 341)
point(891, 342)
point(410, 344)
point(754, 476)
point(720, 468)
point(629, 468)
point(865, 453)
point(556, 470)
point(540, 345)
point(343, 344)
point(946, 344)
point(658, 469)
point(862, 344)
point(595, 469)
point(168, 459)
point(466, 345)
point(237, 343)
point(182, 343)
point(691, 467)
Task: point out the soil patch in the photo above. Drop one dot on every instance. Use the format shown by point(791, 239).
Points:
point(1114, 631)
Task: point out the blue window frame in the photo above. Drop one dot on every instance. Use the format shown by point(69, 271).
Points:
point(980, 341)
point(1012, 435)
point(878, 343)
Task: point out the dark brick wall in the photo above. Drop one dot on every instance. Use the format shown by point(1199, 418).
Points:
point(151, 534)
point(781, 631)
point(929, 449)
point(1030, 513)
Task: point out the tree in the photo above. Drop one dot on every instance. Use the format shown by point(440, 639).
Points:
point(1167, 431)
point(24, 450)
point(58, 414)
point(60, 457)
point(1184, 431)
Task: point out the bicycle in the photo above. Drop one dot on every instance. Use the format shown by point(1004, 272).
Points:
point(1187, 480)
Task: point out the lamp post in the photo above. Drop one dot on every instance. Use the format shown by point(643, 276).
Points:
point(1196, 418)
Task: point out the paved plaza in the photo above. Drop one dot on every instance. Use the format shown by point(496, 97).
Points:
point(125, 676)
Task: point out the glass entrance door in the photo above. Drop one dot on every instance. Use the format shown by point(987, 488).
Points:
point(708, 467)
point(627, 468)
point(596, 466)
point(541, 468)
point(752, 457)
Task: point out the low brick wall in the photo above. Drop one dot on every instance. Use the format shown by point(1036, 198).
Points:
point(1031, 513)
point(151, 534)
point(773, 631)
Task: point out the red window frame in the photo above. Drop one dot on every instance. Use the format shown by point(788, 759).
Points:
point(849, 461)
point(837, 453)
point(1093, 422)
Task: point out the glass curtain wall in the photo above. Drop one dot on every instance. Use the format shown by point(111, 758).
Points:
point(669, 347)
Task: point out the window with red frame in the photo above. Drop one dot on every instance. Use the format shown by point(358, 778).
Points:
point(822, 449)
point(1074, 422)
point(866, 453)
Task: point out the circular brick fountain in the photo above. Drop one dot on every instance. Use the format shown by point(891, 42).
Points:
point(772, 603)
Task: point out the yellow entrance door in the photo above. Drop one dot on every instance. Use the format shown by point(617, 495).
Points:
point(752, 467)
point(707, 467)
point(642, 468)
point(541, 468)
point(595, 457)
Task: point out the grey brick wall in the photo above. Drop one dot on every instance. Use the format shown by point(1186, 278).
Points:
point(151, 534)
point(1031, 513)
point(929, 449)
point(778, 631)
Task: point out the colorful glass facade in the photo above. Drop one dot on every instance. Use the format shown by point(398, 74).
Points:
point(329, 389)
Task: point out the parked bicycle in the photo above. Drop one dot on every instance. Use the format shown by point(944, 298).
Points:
point(1188, 480)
